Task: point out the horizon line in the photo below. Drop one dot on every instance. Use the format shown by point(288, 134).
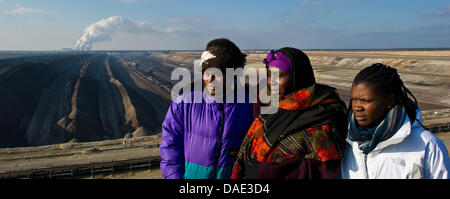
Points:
point(256, 49)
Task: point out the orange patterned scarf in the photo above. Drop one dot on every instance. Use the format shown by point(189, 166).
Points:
point(257, 147)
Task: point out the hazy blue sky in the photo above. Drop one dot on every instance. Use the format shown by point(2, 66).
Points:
point(251, 24)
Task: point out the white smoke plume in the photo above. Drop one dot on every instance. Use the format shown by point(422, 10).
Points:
point(104, 29)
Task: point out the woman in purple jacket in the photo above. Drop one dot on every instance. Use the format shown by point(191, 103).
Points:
point(202, 140)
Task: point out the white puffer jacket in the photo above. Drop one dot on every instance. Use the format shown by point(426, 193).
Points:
point(411, 153)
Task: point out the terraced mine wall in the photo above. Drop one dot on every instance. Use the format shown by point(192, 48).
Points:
point(427, 76)
point(79, 98)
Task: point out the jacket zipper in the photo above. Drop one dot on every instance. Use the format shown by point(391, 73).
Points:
point(219, 145)
point(366, 173)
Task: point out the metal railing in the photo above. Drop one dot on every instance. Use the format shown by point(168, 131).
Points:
point(92, 168)
point(438, 128)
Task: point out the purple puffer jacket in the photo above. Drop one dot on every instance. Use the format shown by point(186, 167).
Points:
point(190, 146)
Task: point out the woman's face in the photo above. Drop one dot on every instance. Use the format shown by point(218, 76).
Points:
point(284, 80)
point(209, 76)
point(369, 107)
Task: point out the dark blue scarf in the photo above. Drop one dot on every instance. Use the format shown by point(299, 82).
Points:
point(368, 138)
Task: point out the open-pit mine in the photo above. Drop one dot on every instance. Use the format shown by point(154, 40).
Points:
point(65, 114)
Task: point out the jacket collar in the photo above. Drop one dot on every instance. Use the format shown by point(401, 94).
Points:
point(398, 137)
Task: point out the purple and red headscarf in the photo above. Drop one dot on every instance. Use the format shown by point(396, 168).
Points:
point(279, 60)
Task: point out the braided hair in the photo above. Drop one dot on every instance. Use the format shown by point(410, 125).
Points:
point(386, 81)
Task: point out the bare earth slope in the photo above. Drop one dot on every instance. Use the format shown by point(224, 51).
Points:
point(77, 97)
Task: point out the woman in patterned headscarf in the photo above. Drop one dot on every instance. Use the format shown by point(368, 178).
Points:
point(305, 137)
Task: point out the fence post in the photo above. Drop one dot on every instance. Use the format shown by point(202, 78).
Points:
point(112, 170)
point(131, 168)
point(150, 165)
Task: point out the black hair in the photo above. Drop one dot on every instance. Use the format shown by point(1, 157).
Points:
point(238, 58)
point(386, 81)
point(227, 55)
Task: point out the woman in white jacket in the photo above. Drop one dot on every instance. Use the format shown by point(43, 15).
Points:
point(386, 138)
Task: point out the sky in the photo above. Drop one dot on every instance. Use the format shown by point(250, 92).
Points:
point(251, 24)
